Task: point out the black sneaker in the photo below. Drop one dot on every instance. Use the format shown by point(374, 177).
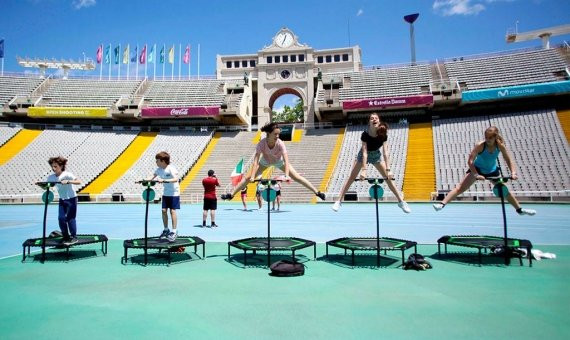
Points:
point(214, 225)
point(227, 196)
point(321, 195)
point(164, 234)
point(72, 240)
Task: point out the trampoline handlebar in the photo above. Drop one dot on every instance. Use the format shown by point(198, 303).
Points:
point(372, 180)
point(47, 184)
point(145, 182)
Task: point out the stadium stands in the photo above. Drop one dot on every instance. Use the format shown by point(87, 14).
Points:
point(87, 92)
point(178, 93)
point(11, 86)
point(7, 132)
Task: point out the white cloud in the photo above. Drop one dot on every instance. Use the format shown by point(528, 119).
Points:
point(457, 7)
point(79, 4)
point(360, 12)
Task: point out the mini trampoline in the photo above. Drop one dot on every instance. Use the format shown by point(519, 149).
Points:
point(163, 245)
point(483, 242)
point(371, 243)
point(56, 243)
point(255, 244)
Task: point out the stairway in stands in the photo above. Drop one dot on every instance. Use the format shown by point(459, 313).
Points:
point(17, 143)
point(419, 178)
point(121, 164)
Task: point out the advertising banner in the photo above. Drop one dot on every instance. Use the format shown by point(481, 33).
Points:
point(388, 102)
point(520, 91)
point(180, 112)
point(67, 112)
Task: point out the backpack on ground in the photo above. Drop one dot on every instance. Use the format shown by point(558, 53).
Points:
point(417, 262)
point(286, 268)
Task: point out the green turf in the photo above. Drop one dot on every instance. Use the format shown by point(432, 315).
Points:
point(97, 297)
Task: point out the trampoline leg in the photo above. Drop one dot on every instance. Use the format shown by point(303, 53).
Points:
point(445, 245)
point(327, 251)
point(529, 257)
point(352, 257)
point(480, 258)
point(125, 256)
point(314, 251)
point(24, 254)
point(403, 261)
point(245, 258)
point(67, 253)
point(228, 252)
point(438, 248)
point(293, 253)
point(203, 250)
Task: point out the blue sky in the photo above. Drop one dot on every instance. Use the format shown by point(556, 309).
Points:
point(446, 28)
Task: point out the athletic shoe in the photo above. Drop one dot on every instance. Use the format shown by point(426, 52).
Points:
point(529, 212)
point(227, 196)
point(321, 195)
point(438, 206)
point(336, 205)
point(214, 225)
point(405, 207)
point(171, 237)
point(71, 241)
point(164, 234)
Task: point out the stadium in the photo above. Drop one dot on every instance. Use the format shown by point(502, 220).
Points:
point(111, 128)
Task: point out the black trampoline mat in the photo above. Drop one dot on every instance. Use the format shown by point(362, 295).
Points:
point(278, 243)
point(484, 241)
point(370, 243)
point(56, 241)
point(156, 243)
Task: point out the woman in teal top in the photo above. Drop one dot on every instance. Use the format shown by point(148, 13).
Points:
point(482, 164)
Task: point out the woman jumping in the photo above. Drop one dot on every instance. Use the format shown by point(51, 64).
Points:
point(373, 138)
point(482, 164)
point(271, 151)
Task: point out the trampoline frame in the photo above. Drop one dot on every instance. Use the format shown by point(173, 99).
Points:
point(526, 244)
point(169, 247)
point(403, 247)
point(33, 242)
point(305, 244)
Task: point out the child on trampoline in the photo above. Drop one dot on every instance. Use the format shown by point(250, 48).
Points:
point(271, 151)
point(168, 175)
point(373, 139)
point(67, 198)
point(482, 164)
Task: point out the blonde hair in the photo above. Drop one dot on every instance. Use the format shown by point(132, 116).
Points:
point(494, 131)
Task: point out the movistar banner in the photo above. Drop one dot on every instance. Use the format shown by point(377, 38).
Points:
point(180, 112)
point(67, 112)
point(499, 93)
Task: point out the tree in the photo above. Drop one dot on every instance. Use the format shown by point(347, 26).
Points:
point(289, 114)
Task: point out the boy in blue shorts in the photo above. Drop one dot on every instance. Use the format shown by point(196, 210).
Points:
point(168, 175)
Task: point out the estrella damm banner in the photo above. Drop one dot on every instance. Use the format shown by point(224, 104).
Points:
point(67, 112)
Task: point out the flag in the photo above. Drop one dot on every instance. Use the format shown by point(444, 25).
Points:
point(162, 55)
point(237, 173)
point(2, 48)
point(126, 55)
point(134, 56)
point(187, 55)
point(99, 54)
point(117, 53)
point(151, 55)
point(171, 55)
point(143, 55)
point(108, 54)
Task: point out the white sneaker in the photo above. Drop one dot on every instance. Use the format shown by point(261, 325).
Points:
point(438, 206)
point(405, 207)
point(529, 212)
point(336, 206)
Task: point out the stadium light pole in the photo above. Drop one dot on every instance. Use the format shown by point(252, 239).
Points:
point(410, 19)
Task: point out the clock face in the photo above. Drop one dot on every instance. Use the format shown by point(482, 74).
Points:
point(284, 39)
point(285, 74)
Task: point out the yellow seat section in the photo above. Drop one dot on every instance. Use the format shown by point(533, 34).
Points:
point(419, 178)
point(16, 144)
point(297, 135)
point(257, 137)
point(332, 162)
point(123, 163)
point(200, 162)
point(564, 118)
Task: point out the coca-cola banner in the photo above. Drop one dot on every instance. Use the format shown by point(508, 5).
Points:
point(180, 112)
point(388, 102)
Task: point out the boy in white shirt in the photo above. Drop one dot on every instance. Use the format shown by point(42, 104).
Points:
point(168, 175)
point(67, 198)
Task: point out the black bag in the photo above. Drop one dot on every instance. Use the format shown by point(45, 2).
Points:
point(286, 268)
point(417, 262)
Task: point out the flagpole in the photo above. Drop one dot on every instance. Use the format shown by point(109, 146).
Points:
point(179, 60)
point(110, 61)
point(101, 63)
point(137, 62)
point(154, 59)
point(145, 61)
point(172, 74)
point(128, 59)
point(198, 61)
point(189, 59)
point(2, 66)
point(119, 61)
